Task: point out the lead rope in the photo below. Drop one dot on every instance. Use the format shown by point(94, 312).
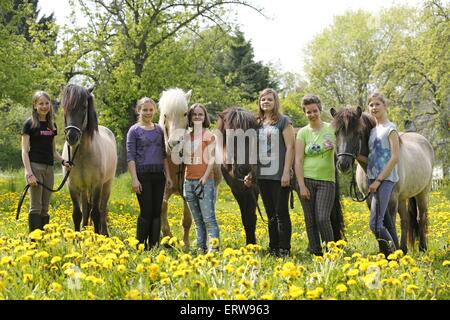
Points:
point(25, 190)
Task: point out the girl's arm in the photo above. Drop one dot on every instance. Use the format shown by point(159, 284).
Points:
point(211, 159)
point(288, 135)
point(58, 157)
point(298, 166)
point(135, 184)
point(31, 179)
point(169, 181)
point(395, 148)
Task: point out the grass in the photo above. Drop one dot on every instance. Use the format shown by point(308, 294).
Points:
point(63, 264)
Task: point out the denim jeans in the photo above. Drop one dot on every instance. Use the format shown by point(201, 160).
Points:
point(203, 211)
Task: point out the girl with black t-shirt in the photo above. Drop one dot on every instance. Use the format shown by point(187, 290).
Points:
point(38, 154)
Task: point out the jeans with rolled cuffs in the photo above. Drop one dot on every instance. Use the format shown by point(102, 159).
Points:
point(203, 212)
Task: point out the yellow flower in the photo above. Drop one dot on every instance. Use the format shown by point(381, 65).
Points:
point(295, 292)
point(351, 282)
point(214, 242)
point(55, 259)
point(41, 254)
point(411, 288)
point(393, 264)
point(267, 296)
point(165, 240)
point(36, 234)
point(121, 268)
point(352, 272)
point(198, 284)
point(212, 292)
point(446, 263)
point(341, 288)
point(405, 276)
point(133, 294)
point(27, 277)
point(314, 294)
point(56, 287)
point(239, 296)
point(140, 268)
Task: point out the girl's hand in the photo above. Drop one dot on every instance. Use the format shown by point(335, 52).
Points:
point(136, 186)
point(304, 192)
point(248, 181)
point(374, 186)
point(169, 183)
point(66, 164)
point(285, 180)
point(203, 180)
point(32, 180)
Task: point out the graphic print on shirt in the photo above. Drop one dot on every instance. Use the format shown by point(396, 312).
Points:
point(378, 158)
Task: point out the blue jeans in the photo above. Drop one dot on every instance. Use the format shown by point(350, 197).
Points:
point(385, 234)
point(203, 211)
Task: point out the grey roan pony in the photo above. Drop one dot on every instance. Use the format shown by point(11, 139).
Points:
point(415, 170)
point(95, 160)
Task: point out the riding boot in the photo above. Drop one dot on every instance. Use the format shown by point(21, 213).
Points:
point(386, 246)
point(45, 220)
point(155, 232)
point(142, 231)
point(34, 222)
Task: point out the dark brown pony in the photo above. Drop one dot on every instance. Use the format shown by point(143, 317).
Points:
point(234, 171)
point(95, 159)
point(415, 170)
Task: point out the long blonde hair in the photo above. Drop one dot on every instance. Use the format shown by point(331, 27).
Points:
point(276, 114)
point(35, 122)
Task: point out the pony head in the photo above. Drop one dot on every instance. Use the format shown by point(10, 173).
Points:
point(352, 128)
point(79, 113)
point(238, 129)
point(173, 108)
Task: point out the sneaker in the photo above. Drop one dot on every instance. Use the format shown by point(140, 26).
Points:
point(273, 252)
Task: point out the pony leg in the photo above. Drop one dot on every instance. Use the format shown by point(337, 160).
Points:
point(186, 222)
point(247, 206)
point(106, 192)
point(165, 228)
point(422, 203)
point(85, 209)
point(404, 222)
point(95, 211)
point(76, 211)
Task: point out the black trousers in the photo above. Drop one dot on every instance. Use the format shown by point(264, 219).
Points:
point(151, 198)
point(276, 203)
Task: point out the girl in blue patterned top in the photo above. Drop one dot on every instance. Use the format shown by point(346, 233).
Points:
point(382, 171)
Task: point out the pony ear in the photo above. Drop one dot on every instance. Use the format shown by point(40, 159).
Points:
point(333, 112)
point(358, 112)
point(188, 95)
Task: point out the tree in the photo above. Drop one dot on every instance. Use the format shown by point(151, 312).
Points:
point(414, 74)
point(123, 43)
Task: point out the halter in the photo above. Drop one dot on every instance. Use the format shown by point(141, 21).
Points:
point(352, 188)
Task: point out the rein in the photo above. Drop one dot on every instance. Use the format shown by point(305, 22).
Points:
point(25, 190)
point(354, 195)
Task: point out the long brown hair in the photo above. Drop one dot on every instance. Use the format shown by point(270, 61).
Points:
point(276, 114)
point(35, 117)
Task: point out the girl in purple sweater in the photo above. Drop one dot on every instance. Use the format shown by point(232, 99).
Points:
point(149, 171)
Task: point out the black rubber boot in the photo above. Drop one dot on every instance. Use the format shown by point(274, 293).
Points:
point(155, 232)
point(45, 220)
point(142, 231)
point(34, 222)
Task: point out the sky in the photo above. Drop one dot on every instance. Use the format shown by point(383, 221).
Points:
point(282, 36)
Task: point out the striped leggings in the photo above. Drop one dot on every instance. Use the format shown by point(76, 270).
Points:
point(317, 211)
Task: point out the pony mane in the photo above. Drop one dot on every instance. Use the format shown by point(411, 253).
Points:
point(173, 101)
point(236, 118)
point(73, 99)
point(347, 120)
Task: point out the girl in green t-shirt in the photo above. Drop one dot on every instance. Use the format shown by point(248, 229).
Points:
point(315, 172)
